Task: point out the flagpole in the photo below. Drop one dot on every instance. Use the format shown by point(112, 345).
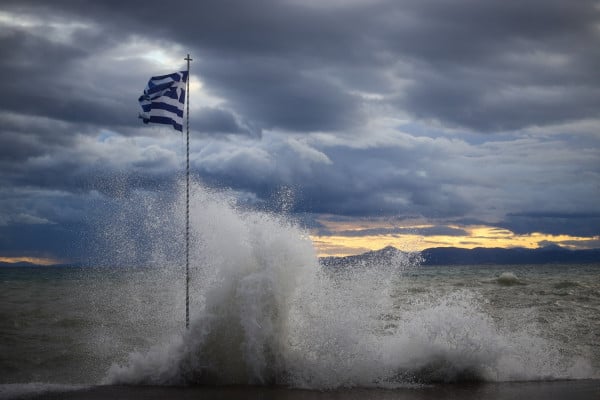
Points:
point(187, 199)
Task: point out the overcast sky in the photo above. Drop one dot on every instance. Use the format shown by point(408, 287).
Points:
point(429, 116)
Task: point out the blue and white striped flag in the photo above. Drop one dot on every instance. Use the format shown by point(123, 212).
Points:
point(163, 100)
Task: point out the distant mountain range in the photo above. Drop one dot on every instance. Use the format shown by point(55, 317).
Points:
point(480, 255)
point(29, 264)
point(455, 256)
point(16, 264)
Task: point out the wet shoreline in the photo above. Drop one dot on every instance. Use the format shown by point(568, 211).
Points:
point(573, 390)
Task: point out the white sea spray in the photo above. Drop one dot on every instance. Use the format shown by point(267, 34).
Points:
point(265, 312)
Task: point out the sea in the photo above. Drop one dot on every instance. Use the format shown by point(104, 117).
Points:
point(268, 320)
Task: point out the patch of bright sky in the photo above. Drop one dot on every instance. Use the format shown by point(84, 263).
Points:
point(106, 135)
point(170, 58)
point(33, 260)
point(335, 243)
point(382, 132)
point(164, 58)
point(539, 59)
point(367, 95)
point(56, 29)
point(435, 130)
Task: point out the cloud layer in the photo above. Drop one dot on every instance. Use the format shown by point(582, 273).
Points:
point(459, 112)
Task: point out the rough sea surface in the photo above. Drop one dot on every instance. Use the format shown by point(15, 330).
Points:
point(265, 312)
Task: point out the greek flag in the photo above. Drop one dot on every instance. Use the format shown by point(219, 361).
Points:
point(163, 100)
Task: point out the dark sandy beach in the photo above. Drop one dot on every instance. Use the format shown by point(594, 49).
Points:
point(572, 390)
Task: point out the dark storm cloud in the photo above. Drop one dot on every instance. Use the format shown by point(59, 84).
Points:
point(278, 72)
point(334, 182)
point(484, 66)
point(458, 98)
point(16, 146)
point(503, 65)
point(429, 231)
point(273, 91)
point(277, 95)
point(573, 223)
point(218, 121)
point(43, 223)
point(46, 79)
point(48, 240)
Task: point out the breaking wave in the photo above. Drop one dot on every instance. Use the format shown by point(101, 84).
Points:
point(266, 312)
point(508, 279)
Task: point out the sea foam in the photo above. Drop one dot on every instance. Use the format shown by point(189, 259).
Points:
point(266, 312)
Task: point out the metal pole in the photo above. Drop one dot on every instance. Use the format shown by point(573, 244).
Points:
point(187, 199)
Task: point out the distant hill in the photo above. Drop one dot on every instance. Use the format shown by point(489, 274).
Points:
point(17, 264)
point(375, 257)
point(28, 264)
point(480, 255)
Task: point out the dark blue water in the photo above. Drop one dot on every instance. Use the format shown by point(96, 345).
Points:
point(419, 325)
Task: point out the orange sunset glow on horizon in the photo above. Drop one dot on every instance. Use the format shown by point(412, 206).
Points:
point(33, 260)
point(347, 238)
